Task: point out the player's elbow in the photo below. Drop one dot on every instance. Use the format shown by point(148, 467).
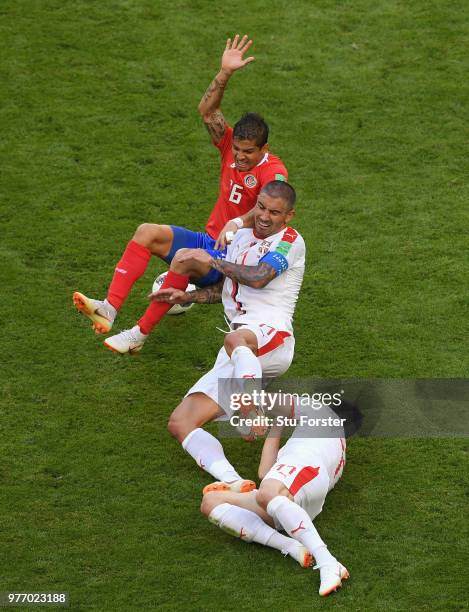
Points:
point(202, 109)
point(207, 117)
point(260, 284)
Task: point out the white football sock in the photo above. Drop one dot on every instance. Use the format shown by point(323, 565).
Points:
point(208, 454)
point(249, 527)
point(299, 525)
point(246, 364)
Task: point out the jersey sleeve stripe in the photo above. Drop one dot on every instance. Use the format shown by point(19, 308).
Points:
point(289, 235)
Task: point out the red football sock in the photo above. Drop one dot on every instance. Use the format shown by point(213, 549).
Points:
point(156, 311)
point(129, 269)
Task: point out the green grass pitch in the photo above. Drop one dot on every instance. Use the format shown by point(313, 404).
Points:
point(367, 104)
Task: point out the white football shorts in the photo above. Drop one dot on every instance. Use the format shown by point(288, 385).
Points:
point(275, 351)
point(309, 473)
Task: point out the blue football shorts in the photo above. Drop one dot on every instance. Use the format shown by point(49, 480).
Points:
point(187, 239)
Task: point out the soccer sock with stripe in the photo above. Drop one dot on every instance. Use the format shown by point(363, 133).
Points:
point(208, 453)
point(129, 269)
point(298, 524)
point(248, 526)
point(246, 364)
point(156, 311)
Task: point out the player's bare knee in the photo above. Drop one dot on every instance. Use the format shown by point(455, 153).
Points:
point(210, 501)
point(180, 266)
point(269, 489)
point(145, 234)
point(240, 338)
point(176, 427)
point(180, 424)
point(263, 497)
point(156, 238)
point(232, 341)
point(179, 253)
point(172, 426)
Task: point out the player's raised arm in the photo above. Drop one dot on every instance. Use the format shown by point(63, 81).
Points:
point(231, 227)
point(209, 107)
point(270, 450)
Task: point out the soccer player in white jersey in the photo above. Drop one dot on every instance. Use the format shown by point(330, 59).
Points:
point(263, 271)
point(295, 482)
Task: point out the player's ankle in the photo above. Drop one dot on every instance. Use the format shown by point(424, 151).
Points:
point(323, 556)
point(230, 477)
point(138, 333)
point(110, 310)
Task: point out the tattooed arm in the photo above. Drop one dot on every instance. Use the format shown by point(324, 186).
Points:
point(209, 106)
point(207, 295)
point(253, 276)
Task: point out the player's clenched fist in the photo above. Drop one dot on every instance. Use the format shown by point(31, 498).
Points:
point(233, 56)
point(195, 256)
point(226, 235)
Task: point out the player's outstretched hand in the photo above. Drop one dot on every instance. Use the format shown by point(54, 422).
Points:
point(169, 295)
point(233, 56)
point(226, 235)
point(195, 256)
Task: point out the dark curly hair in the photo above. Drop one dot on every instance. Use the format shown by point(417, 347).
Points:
point(252, 126)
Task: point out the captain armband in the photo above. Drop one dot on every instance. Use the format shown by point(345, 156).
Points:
point(278, 262)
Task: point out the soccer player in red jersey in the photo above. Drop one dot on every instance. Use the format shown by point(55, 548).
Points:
point(247, 166)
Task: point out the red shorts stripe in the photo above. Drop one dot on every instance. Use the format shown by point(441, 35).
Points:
point(304, 476)
point(276, 341)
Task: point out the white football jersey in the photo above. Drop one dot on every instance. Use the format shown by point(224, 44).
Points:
point(315, 436)
point(275, 303)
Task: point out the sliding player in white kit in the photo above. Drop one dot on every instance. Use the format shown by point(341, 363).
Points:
point(295, 482)
point(263, 272)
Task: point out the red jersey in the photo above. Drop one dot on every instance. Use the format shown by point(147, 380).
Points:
point(239, 190)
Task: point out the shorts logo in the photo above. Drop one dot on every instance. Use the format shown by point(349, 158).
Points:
point(280, 177)
point(250, 180)
point(264, 247)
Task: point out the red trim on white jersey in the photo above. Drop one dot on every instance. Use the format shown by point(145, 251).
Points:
point(289, 235)
point(234, 291)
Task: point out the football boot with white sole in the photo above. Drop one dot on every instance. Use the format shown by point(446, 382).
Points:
point(332, 576)
point(238, 486)
point(128, 341)
point(99, 314)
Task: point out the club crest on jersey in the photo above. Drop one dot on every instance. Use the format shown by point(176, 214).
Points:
point(250, 180)
point(264, 247)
